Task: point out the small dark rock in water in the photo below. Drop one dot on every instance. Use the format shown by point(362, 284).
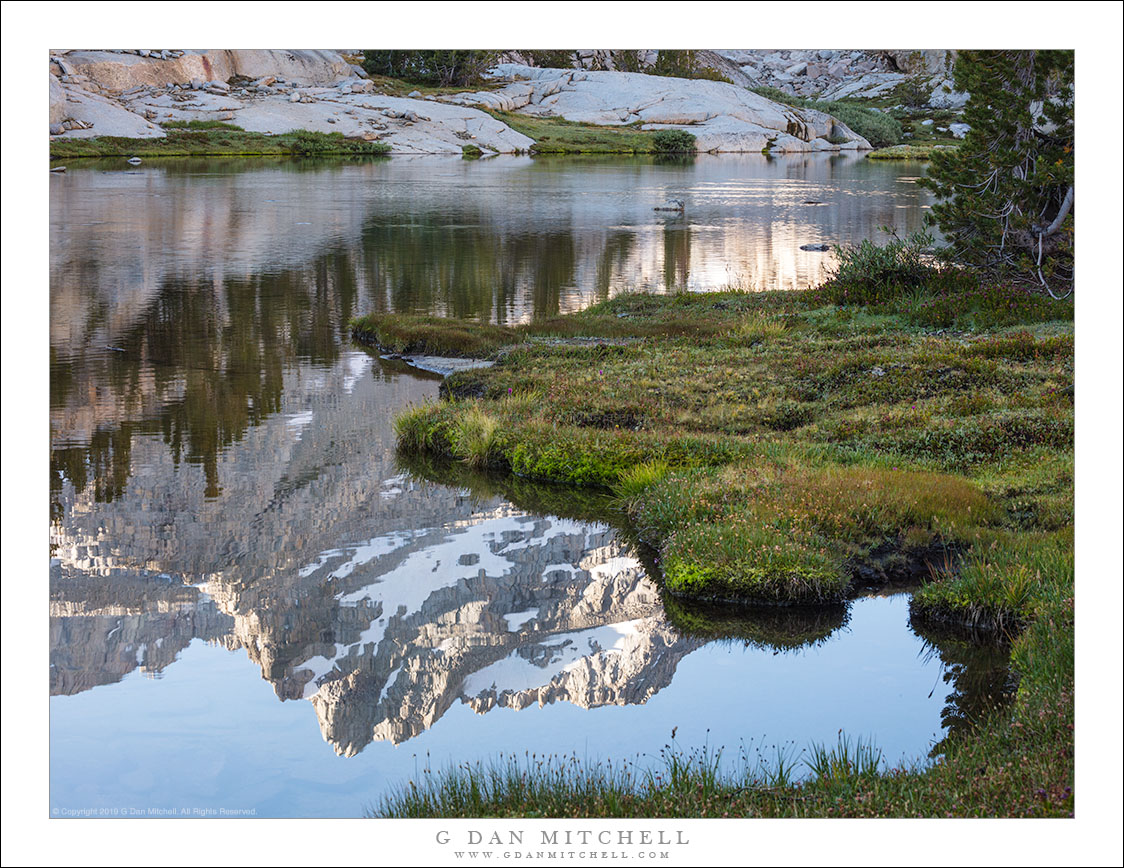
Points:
point(811, 202)
point(822, 248)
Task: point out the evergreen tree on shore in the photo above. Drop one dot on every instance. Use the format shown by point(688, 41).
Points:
point(1006, 195)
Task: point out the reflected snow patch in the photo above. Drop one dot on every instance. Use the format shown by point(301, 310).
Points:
point(564, 651)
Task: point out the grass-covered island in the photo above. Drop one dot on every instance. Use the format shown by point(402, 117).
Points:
point(788, 449)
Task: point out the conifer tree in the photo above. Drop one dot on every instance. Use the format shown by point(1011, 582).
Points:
point(439, 67)
point(1006, 194)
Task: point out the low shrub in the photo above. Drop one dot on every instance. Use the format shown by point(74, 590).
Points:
point(673, 142)
point(966, 443)
point(878, 128)
point(781, 96)
point(306, 143)
point(961, 302)
point(873, 274)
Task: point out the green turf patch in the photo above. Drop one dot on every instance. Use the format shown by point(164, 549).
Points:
point(216, 139)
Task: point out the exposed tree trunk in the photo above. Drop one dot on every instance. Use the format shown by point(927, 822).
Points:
point(1067, 204)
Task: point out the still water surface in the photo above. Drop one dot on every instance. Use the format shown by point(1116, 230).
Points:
point(254, 607)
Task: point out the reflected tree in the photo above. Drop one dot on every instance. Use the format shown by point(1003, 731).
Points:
point(676, 254)
point(975, 667)
point(215, 354)
point(775, 629)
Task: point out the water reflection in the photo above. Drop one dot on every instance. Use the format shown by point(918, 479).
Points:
point(499, 608)
point(976, 670)
point(182, 295)
point(772, 629)
point(102, 630)
point(198, 365)
point(223, 465)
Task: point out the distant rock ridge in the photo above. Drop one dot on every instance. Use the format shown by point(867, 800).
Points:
point(115, 72)
point(724, 118)
point(826, 74)
point(638, 60)
point(831, 74)
point(130, 93)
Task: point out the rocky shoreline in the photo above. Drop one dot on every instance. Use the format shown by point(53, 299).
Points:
point(132, 93)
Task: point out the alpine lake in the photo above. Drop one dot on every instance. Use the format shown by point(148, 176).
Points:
point(256, 609)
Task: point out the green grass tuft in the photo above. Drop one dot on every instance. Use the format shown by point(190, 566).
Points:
point(473, 436)
point(845, 762)
point(758, 325)
point(637, 479)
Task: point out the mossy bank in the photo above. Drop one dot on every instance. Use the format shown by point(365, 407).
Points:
point(774, 448)
point(789, 449)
